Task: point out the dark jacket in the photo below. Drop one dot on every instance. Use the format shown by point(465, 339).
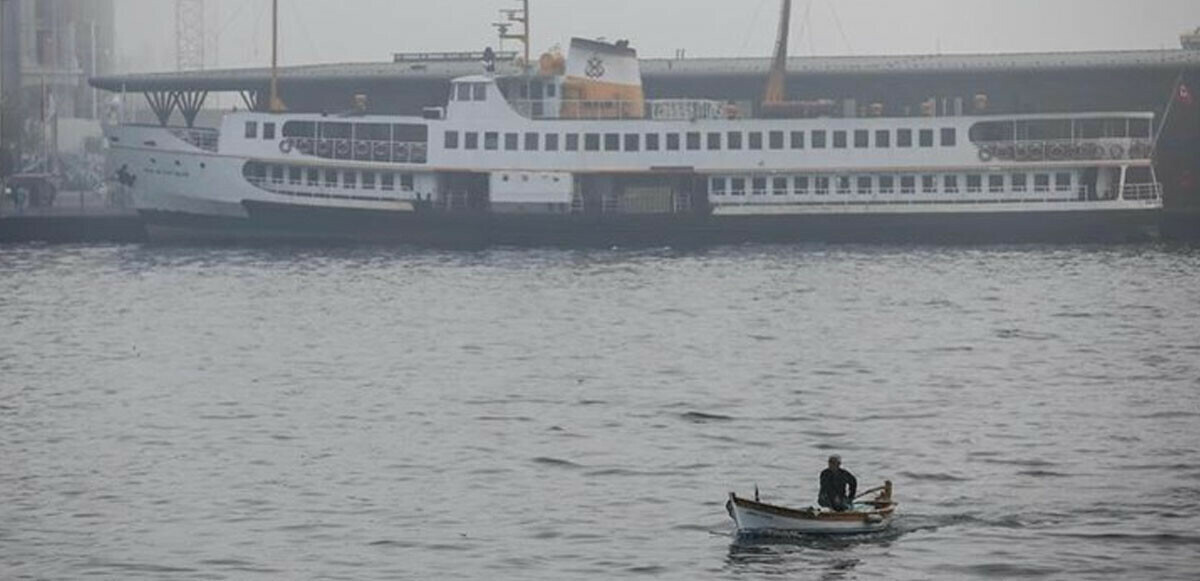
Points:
point(837, 484)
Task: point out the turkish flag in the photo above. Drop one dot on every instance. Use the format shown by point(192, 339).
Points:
point(1184, 95)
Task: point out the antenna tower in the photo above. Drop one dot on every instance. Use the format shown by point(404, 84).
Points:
point(189, 35)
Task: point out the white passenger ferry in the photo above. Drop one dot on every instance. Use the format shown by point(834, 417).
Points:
point(572, 153)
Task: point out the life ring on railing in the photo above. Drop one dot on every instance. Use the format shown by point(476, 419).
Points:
point(1115, 151)
point(362, 149)
point(381, 151)
point(1056, 151)
point(400, 152)
point(305, 146)
point(324, 148)
point(342, 147)
point(285, 146)
point(985, 153)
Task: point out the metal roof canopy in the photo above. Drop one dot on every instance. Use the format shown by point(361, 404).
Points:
point(657, 68)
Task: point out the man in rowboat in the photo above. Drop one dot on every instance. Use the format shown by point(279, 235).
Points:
point(837, 486)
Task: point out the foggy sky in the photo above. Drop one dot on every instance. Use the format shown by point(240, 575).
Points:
point(322, 31)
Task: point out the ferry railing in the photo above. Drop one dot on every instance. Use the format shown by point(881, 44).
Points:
point(1142, 191)
point(906, 196)
point(200, 138)
point(1065, 149)
point(359, 149)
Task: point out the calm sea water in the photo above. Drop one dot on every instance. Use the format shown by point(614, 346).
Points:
point(385, 413)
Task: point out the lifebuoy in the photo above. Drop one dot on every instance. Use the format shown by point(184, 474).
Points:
point(305, 146)
point(1057, 151)
point(285, 146)
point(362, 149)
point(985, 154)
point(1115, 151)
point(342, 147)
point(381, 151)
point(324, 148)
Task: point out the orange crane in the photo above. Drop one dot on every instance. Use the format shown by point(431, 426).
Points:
point(775, 103)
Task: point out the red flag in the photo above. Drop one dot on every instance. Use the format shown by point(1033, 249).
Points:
point(1184, 94)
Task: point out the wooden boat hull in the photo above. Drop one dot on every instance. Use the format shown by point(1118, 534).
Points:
point(758, 517)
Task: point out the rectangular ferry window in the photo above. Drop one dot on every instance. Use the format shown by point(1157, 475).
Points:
point(926, 138)
point(908, 184)
point(950, 184)
point(591, 141)
point(864, 184)
point(464, 91)
point(883, 138)
point(531, 141)
point(818, 139)
point(949, 137)
point(387, 182)
point(491, 141)
point(277, 174)
point(693, 140)
point(572, 142)
point(672, 142)
point(451, 140)
point(479, 91)
point(801, 185)
point(755, 140)
point(737, 187)
point(510, 141)
point(612, 142)
point(779, 186)
point(843, 185)
point(368, 180)
point(1019, 182)
point(733, 140)
point(929, 184)
point(714, 141)
point(760, 186)
point(862, 138)
point(839, 139)
point(551, 142)
point(299, 129)
point(995, 183)
point(887, 184)
point(406, 182)
point(904, 138)
point(331, 180)
point(331, 130)
point(402, 132)
point(775, 139)
point(974, 183)
point(633, 141)
point(251, 130)
point(651, 142)
point(268, 131)
point(718, 186)
point(350, 179)
point(822, 185)
point(295, 175)
point(1062, 181)
point(797, 140)
point(313, 177)
point(470, 140)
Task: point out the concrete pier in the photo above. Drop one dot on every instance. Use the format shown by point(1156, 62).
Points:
point(72, 217)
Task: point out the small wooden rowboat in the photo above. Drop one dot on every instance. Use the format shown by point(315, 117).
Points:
point(867, 516)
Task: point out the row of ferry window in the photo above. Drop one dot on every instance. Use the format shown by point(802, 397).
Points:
point(399, 132)
point(888, 184)
point(328, 177)
point(696, 140)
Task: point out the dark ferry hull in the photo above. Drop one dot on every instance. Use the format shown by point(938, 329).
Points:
point(267, 221)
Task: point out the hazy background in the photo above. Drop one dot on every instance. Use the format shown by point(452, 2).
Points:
point(313, 31)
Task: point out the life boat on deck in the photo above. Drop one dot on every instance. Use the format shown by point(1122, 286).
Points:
point(866, 516)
